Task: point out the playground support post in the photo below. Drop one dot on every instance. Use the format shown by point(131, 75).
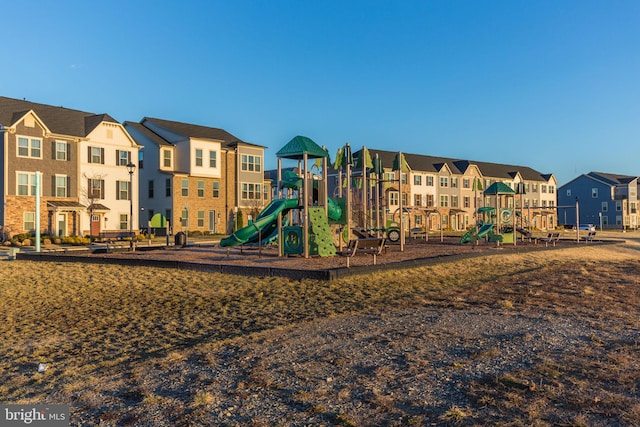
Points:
point(577, 221)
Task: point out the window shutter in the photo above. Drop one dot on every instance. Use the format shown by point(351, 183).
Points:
point(53, 186)
point(68, 152)
point(128, 156)
point(102, 188)
point(117, 190)
point(102, 156)
point(90, 195)
point(68, 186)
point(88, 154)
point(117, 157)
point(53, 150)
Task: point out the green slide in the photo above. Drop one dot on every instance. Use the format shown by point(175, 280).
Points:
point(263, 226)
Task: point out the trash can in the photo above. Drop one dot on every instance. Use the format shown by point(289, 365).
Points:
point(181, 239)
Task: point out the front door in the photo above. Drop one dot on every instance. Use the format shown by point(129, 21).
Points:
point(95, 225)
point(212, 222)
point(62, 225)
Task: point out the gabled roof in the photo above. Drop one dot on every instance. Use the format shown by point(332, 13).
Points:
point(189, 130)
point(157, 139)
point(59, 120)
point(418, 162)
point(612, 179)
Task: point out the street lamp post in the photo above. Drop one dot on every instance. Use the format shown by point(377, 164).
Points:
point(130, 168)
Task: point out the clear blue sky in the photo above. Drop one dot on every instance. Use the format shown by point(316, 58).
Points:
point(554, 84)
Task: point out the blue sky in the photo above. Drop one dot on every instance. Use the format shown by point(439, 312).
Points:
point(554, 85)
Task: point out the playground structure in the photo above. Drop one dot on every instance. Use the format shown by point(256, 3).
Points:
point(298, 219)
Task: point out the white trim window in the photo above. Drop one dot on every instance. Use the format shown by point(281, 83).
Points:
point(26, 184)
point(29, 221)
point(213, 159)
point(251, 191)
point(61, 186)
point(62, 150)
point(29, 147)
point(167, 158)
point(198, 157)
point(251, 163)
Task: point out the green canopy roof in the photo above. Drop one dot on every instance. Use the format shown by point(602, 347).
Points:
point(498, 188)
point(300, 145)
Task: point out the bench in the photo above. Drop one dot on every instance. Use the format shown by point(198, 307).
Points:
point(117, 235)
point(418, 232)
point(589, 237)
point(551, 238)
point(371, 245)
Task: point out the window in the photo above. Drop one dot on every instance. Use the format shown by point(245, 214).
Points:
point(216, 189)
point(467, 202)
point(534, 187)
point(166, 158)
point(265, 190)
point(26, 184)
point(430, 181)
point(444, 181)
point(632, 208)
point(184, 218)
point(200, 219)
point(29, 147)
point(417, 220)
point(417, 199)
point(29, 221)
point(96, 155)
point(251, 163)
point(405, 199)
point(124, 222)
point(389, 176)
point(605, 206)
point(552, 189)
point(213, 159)
point(618, 205)
point(444, 201)
point(167, 188)
point(430, 200)
point(454, 201)
point(61, 186)
point(251, 191)
point(185, 187)
point(167, 214)
point(151, 189)
point(62, 150)
point(199, 157)
point(417, 179)
point(454, 182)
point(466, 183)
point(95, 188)
point(568, 192)
point(403, 178)
point(543, 189)
point(123, 158)
point(594, 193)
point(200, 188)
point(122, 190)
point(393, 198)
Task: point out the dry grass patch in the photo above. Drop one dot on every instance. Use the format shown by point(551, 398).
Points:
point(122, 342)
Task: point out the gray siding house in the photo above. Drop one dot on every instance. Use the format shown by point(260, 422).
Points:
point(605, 200)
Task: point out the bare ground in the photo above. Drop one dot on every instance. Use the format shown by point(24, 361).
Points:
point(543, 338)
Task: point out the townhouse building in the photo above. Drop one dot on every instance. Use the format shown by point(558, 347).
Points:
point(197, 177)
point(606, 200)
point(444, 193)
point(75, 161)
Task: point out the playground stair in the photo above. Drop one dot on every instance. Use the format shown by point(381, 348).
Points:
point(320, 238)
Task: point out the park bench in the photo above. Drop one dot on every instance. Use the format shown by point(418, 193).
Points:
point(551, 238)
point(371, 245)
point(116, 235)
point(589, 237)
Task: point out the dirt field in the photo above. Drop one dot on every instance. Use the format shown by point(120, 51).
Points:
point(548, 337)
